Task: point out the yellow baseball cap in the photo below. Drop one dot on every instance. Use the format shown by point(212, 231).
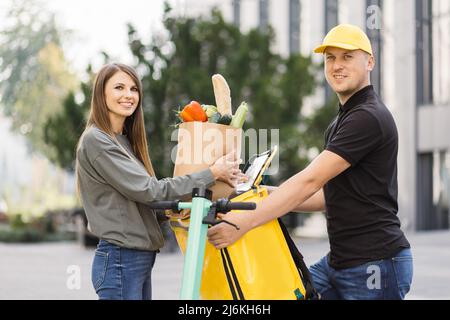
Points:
point(346, 36)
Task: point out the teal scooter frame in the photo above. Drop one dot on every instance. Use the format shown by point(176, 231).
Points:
point(203, 213)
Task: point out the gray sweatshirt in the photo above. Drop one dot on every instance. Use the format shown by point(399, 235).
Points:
point(115, 191)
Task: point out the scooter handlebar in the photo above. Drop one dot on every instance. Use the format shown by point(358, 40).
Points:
point(164, 205)
point(241, 206)
point(225, 205)
point(222, 205)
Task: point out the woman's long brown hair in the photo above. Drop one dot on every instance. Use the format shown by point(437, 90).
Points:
point(134, 124)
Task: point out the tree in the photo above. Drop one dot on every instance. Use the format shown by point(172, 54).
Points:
point(63, 130)
point(316, 124)
point(177, 67)
point(34, 74)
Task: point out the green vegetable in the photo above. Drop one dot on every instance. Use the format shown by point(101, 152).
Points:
point(239, 116)
point(215, 117)
point(210, 110)
point(225, 119)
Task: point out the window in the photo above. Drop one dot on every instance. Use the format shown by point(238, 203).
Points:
point(424, 50)
point(331, 20)
point(294, 26)
point(237, 12)
point(331, 14)
point(373, 30)
point(263, 14)
point(433, 190)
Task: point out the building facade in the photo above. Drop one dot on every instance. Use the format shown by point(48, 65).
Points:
point(411, 44)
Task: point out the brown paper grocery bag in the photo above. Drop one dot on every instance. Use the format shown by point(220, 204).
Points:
point(200, 144)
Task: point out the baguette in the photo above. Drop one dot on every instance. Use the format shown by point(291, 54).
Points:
point(222, 94)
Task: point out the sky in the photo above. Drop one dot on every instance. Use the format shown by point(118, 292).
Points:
point(101, 25)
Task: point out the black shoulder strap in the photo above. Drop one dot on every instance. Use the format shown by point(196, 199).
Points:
point(233, 282)
point(311, 293)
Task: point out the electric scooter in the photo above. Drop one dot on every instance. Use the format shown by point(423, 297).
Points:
point(203, 213)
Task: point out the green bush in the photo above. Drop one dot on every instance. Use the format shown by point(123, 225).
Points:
point(39, 229)
point(21, 235)
point(17, 222)
point(30, 235)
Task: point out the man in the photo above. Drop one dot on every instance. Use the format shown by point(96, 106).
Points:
point(354, 180)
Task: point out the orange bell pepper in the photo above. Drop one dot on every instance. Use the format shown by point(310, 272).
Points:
point(193, 112)
point(186, 116)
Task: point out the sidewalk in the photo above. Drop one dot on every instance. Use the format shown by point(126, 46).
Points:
point(40, 271)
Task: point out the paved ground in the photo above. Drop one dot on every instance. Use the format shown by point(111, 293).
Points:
point(45, 271)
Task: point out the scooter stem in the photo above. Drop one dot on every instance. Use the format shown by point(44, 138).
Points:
point(195, 250)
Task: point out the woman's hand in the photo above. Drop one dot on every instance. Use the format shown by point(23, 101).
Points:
point(226, 169)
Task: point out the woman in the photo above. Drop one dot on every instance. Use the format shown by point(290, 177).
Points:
point(116, 180)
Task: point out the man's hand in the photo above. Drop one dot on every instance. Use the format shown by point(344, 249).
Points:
point(222, 235)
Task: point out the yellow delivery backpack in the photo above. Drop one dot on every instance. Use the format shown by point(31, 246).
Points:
point(264, 264)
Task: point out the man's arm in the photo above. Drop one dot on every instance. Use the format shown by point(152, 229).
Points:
point(293, 192)
point(290, 195)
point(313, 204)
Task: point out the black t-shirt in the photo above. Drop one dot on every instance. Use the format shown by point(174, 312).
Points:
point(361, 202)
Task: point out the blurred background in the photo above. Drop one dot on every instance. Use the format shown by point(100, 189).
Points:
point(50, 51)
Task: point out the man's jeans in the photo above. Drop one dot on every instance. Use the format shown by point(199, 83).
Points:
point(388, 279)
point(122, 274)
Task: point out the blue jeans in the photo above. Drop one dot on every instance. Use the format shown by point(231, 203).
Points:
point(388, 279)
point(122, 274)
